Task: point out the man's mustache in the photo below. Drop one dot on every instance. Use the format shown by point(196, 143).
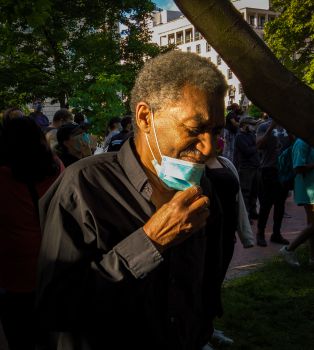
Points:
point(195, 154)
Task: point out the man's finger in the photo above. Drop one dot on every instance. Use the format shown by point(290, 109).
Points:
point(188, 196)
point(201, 203)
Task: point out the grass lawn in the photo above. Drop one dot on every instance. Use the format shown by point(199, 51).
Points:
point(271, 308)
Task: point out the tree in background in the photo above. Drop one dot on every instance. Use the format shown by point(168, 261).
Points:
point(59, 49)
point(254, 111)
point(100, 102)
point(291, 36)
point(267, 83)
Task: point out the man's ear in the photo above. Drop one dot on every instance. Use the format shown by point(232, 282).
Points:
point(143, 117)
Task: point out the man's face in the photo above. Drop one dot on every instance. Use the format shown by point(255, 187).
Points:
point(38, 106)
point(74, 143)
point(187, 129)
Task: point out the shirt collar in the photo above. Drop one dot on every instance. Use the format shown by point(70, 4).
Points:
point(132, 167)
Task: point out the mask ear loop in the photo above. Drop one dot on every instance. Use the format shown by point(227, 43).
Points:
point(153, 122)
point(151, 151)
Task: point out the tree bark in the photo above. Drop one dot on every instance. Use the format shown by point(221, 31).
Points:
point(266, 82)
point(61, 98)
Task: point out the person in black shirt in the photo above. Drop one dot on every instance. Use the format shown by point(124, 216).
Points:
point(231, 129)
point(247, 161)
point(127, 236)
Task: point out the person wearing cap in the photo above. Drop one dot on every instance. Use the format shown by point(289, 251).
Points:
point(247, 161)
point(71, 144)
point(62, 116)
point(80, 119)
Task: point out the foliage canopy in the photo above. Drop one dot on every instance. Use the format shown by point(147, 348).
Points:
point(57, 48)
point(291, 36)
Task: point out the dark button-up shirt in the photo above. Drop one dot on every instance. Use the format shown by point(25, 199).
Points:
point(246, 152)
point(102, 282)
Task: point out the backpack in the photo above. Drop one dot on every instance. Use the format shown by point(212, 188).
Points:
point(286, 173)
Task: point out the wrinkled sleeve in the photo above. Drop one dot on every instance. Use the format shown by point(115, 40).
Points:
point(77, 279)
point(243, 146)
point(300, 153)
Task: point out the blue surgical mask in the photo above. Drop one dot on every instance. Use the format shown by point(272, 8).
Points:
point(86, 138)
point(176, 173)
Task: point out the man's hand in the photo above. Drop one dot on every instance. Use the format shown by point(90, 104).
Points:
point(176, 220)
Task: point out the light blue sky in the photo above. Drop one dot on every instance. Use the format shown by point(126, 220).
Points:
point(166, 4)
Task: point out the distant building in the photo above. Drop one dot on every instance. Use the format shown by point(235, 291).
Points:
point(49, 109)
point(172, 27)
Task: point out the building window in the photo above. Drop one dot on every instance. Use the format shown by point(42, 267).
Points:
point(208, 47)
point(198, 48)
point(252, 20)
point(240, 88)
point(179, 40)
point(197, 35)
point(163, 40)
point(271, 18)
point(218, 60)
point(261, 22)
point(229, 74)
point(231, 91)
point(171, 40)
point(188, 49)
point(188, 35)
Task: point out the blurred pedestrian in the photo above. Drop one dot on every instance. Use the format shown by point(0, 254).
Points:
point(271, 140)
point(72, 144)
point(114, 129)
point(62, 116)
point(38, 116)
point(248, 162)
point(28, 170)
point(231, 129)
point(303, 163)
point(127, 130)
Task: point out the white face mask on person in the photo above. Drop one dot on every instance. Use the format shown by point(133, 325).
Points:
point(176, 173)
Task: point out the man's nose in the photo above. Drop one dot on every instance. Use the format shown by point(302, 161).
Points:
point(205, 144)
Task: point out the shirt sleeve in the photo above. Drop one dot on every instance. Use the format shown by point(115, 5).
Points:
point(300, 153)
point(75, 271)
point(261, 130)
point(244, 146)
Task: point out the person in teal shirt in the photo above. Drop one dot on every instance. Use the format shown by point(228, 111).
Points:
point(303, 164)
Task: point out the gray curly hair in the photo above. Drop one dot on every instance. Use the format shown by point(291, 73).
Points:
point(163, 78)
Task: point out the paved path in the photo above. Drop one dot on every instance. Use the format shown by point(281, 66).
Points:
point(246, 260)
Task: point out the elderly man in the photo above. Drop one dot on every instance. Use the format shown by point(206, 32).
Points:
point(131, 252)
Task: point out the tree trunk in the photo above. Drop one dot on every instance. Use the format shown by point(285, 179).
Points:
point(61, 99)
point(266, 82)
